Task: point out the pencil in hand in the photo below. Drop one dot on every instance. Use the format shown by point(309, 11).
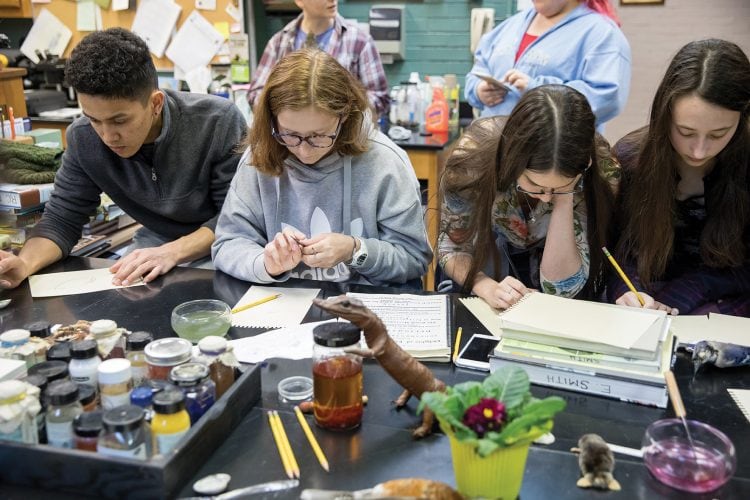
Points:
point(623, 276)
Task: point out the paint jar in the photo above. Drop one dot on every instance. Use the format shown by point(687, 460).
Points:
point(164, 354)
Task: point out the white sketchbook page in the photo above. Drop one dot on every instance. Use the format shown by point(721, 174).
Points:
point(195, 44)
point(580, 319)
point(690, 329)
point(48, 34)
point(414, 322)
point(742, 398)
point(295, 342)
point(287, 310)
point(154, 21)
point(730, 329)
point(484, 313)
point(73, 283)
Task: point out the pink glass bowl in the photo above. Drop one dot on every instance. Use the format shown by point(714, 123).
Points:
point(700, 468)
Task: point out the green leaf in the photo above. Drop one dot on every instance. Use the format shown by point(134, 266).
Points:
point(486, 446)
point(510, 384)
point(470, 392)
point(536, 420)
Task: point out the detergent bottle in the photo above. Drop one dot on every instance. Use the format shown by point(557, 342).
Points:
point(436, 116)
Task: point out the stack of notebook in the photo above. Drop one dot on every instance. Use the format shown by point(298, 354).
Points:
point(589, 347)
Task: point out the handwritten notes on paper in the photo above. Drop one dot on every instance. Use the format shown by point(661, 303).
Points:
point(417, 323)
point(72, 283)
point(287, 310)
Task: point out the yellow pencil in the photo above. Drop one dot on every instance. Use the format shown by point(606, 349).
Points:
point(280, 446)
point(623, 276)
point(458, 343)
point(311, 438)
point(256, 303)
point(287, 445)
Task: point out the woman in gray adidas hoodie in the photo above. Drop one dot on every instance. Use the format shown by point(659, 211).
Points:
point(320, 194)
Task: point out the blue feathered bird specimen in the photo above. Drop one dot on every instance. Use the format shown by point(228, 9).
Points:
point(719, 354)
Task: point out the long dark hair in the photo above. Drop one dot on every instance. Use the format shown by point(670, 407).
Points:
point(719, 73)
point(551, 128)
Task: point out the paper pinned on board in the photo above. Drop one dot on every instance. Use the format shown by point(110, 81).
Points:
point(195, 43)
point(154, 21)
point(295, 342)
point(86, 15)
point(73, 283)
point(47, 35)
point(289, 309)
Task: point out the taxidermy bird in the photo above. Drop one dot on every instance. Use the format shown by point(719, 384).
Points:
point(596, 462)
point(719, 354)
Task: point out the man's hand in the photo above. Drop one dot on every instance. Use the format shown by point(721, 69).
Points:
point(327, 249)
point(144, 263)
point(284, 252)
point(490, 95)
point(13, 270)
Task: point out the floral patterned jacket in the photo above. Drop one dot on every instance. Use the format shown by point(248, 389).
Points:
point(521, 232)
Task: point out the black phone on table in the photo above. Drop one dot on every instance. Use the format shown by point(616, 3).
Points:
point(476, 353)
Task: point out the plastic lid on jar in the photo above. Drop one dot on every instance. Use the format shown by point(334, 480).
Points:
point(137, 341)
point(169, 351)
point(51, 370)
point(62, 392)
point(10, 389)
point(17, 336)
point(83, 349)
point(141, 396)
point(123, 418)
point(295, 389)
point(40, 329)
point(337, 334)
point(88, 424)
point(59, 352)
point(188, 374)
point(102, 327)
point(114, 371)
point(86, 394)
point(213, 345)
point(158, 385)
point(37, 380)
point(168, 401)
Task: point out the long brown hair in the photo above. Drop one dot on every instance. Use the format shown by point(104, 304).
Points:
point(307, 77)
point(551, 128)
point(719, 73)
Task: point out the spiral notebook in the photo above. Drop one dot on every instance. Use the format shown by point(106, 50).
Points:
point(742, 398)
point(584, 325)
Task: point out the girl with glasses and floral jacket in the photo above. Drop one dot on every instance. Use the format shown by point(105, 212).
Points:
point(527, 201)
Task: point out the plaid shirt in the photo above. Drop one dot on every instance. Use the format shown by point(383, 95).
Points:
point(351, 47)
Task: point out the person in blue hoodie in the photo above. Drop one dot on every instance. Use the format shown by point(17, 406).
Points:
point(556, 41)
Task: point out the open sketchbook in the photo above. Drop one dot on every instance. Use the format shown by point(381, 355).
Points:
point(420, 324)
point(589, 326)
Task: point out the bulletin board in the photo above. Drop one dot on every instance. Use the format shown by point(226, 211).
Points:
point(65, 10)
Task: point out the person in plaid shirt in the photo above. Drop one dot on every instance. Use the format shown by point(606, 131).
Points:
point(321, 25)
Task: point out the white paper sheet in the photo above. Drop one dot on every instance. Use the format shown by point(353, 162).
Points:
point(154, 21)
point(86, 15)
point(48, 34)
point(195, 43)
point(72, 283)
point(295, 342)
point(287, 310)
point(120, 5)
point(205, 4)
point(715, 326)
point(198, 79)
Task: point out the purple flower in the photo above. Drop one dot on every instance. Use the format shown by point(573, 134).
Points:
point(487, 415)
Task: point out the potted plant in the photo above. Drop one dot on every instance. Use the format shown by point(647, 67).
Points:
point(490, 426)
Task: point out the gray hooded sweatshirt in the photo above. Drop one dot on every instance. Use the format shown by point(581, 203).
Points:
point(380, 203)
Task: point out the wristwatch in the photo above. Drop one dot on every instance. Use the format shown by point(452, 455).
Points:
point(359, 256)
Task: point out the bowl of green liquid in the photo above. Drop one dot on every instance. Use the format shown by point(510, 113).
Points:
point(200, 318)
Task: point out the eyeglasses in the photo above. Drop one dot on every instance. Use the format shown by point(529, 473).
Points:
point(541, 192)
point(314, 140)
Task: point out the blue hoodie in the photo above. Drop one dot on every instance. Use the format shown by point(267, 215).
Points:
point(586, 51)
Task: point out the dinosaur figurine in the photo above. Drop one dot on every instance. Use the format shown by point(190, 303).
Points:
point(412, 375)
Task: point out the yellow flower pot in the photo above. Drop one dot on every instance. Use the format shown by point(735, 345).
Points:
point(498, 475)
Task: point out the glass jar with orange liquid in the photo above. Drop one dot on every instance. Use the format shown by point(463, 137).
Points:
point(337, 376)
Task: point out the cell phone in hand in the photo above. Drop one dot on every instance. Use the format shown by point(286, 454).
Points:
point(494, 82)
point(476, 352)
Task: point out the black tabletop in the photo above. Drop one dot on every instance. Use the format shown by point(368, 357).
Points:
point(382, 448)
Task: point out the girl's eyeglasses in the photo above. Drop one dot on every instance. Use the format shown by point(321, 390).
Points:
point(314, 140)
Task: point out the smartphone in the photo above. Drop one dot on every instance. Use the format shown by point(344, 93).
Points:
point(476, 352)
point(494, 82)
